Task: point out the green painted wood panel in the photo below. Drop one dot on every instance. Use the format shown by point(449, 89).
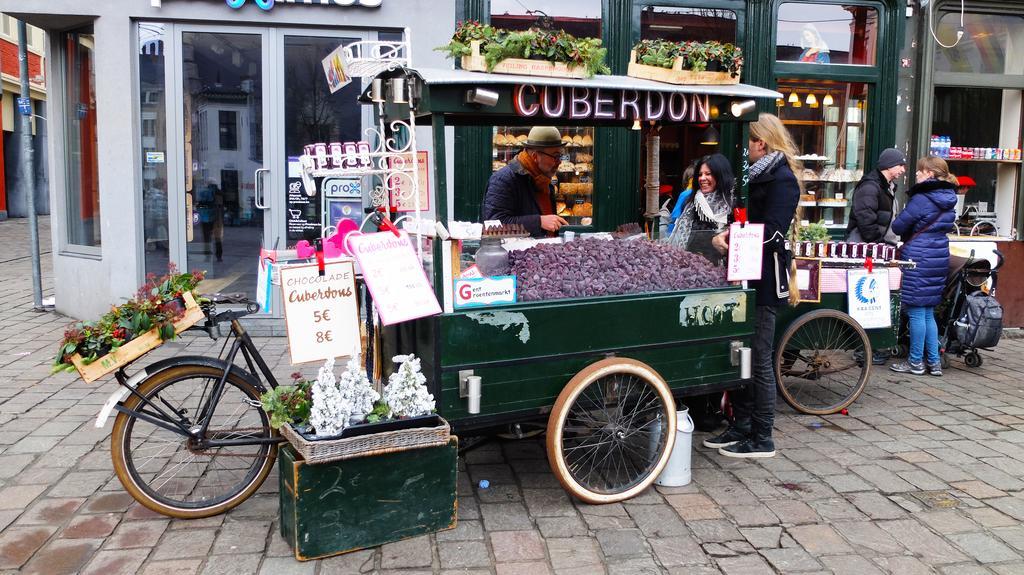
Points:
point(344, 506)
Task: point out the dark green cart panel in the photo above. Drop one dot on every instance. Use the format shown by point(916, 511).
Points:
point(334, 508)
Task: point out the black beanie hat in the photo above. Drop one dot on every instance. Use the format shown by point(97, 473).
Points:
point(891, 157)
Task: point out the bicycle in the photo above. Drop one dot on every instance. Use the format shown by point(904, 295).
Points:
point(191, 438)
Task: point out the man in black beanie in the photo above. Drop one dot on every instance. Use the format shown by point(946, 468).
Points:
point(872, 212)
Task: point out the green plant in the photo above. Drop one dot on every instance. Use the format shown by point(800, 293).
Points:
point(696, 56)
point(380, 412)
point(289, 403)
point(553, 45)
point(157, 304)
point(815, 232)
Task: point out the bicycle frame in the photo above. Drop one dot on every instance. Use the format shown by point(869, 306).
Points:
point(240, 342)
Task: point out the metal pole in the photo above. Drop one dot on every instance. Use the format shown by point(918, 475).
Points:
point(26, 171)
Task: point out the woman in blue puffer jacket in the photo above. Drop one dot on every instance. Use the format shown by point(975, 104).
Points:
point(923, 226)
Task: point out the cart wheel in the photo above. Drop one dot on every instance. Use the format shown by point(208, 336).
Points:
point(816, 364)
point(973, 359)
point(611, 431)
point(944, 361)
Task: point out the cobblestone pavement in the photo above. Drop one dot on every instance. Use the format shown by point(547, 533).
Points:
point(925, 475)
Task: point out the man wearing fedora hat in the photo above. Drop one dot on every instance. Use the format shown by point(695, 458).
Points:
point(522, 192)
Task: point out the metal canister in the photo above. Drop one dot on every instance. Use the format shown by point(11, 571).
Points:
point(336, 154)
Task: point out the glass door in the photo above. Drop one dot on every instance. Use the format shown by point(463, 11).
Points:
point(223, 126)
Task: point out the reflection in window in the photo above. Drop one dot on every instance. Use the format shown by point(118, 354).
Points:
point(152, 90)
point(826, 34)
point(684, 24)
point(228, 129)
point(581, 18)
point(81, 182)
point(992, 44)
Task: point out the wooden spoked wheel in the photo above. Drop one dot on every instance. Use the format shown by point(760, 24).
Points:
point(611, 431)
point(822, 362)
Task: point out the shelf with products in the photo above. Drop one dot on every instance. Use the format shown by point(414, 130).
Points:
point(574, 182)
point(983, 161)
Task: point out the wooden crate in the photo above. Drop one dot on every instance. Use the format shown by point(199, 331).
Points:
point(344, 506)
point(475, 63)
point(138, 346)
point(677, 75)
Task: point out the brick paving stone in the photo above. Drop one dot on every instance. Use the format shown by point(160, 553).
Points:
point(836, 509)
point(762, 537)
point(1011, 506)
point(744, 565)
point(529, 568)
point(903, 565)
point(464, 531)
point(108, 503)
point(133, 534)
point(412, 552)
point(548, 503)
point(286, 566)
point(80, 483)
point(574, 552)
point(886, 481)
point(12, 465)
point(500, 493)
point(622, 543)
point(922, 542)
point(355, 563)
point(173, 567)
point(505, 516)
point(793, 512)
point(867, 535)
point(947, 521)
point(634, 566)
point(62, 556)
point(117, 562)
point(790, 560)
point(847, 483)
point(978, 489)
point(675, 551)
point(850, 565)
point(1013, 536)
point(988, 517)
point(560, 527)
point(756, 515)
point(8, 517)
point(984, 548)
point(90, 526)
point(657, 520)
point(819, 539)
point(184, 544)
point(51, 511)
point(714, 531)
point(19, 496)
point(516, 546)
point(694, 507)
point(876, 506)
point(1008, 569)
point(462, 554)
point(18, 544)
point(241, 537)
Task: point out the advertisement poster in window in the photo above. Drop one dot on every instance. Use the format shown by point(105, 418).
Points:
point(402, 199)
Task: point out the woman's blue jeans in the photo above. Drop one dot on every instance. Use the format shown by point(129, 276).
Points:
point(924, 335)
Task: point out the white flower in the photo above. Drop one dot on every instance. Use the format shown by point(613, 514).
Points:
point(338, 404)
point(406, 393)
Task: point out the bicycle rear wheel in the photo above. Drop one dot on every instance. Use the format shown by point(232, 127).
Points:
point(822, 362)
point(172, 474)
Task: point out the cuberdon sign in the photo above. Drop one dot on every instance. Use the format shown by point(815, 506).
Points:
point(583, 103)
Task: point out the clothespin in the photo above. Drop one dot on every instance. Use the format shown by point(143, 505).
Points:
point(740, 215)
point(869, 264)
point(320, 256)
point(384, 223)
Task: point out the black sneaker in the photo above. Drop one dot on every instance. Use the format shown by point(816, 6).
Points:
point(935, 369)
point(880, 357)
point(730, 436)
point(907, 367)
point(750, 449)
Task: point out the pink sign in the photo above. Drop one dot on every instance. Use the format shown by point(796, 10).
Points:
point(394, 276)
point(745, 251)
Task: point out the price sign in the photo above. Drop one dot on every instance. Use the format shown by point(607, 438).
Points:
point(394, 276)
point(320, 312)
point(745, 252)
point(868, 296)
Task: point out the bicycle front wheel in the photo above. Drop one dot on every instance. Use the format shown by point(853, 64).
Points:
point(822, 362)
point(174, 475)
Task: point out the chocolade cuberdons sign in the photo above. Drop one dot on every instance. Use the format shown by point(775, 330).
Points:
point(580, 103)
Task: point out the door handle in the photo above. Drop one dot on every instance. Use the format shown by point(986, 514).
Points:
point(258, 198)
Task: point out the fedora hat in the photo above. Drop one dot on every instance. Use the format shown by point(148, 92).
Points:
point(544, 137)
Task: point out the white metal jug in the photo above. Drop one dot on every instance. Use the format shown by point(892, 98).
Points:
point(677, 470)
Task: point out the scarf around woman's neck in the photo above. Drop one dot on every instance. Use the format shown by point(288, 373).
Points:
point(766, 163)
point(541, 183)
point(711, 209)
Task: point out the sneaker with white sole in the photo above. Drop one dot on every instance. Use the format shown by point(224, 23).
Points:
point(731, 436)
point(750, 449)
point(908, 367)
point(935, 369)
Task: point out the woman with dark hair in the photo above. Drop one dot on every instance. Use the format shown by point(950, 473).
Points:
point(706, 212)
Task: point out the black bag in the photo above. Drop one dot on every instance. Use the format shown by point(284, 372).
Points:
point(981, 323)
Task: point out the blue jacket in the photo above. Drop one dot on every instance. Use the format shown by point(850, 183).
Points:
point(774, 196)
point(923, 226)
point(510, 199)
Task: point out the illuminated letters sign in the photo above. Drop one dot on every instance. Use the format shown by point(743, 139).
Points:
point(579, 103)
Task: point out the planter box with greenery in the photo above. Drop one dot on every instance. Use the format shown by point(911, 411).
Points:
point(533, 52)
point(705, 63)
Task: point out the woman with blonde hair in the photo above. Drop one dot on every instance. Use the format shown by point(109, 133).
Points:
point(930, 215)
point(774, 192)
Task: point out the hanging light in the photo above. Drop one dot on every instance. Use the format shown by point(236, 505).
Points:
point(794, 98)
point(827, 100)
point(812, 100)
point(796, 103)
point(780, 103)
point(709, 137)
point(636, 124)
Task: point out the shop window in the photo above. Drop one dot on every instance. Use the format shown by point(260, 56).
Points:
point(986, 149)
point(581, 18)
point(81, 194)
point(991, 44)
point(685, 24)
point(228, 120)
point(828, 123)
point(826, 33)
point(152, 89)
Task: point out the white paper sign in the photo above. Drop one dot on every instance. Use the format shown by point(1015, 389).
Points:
point(867, 296)
point(394, 277)
point(485, 291)
point(745, 243)
point(336, 69)
point(320, 312)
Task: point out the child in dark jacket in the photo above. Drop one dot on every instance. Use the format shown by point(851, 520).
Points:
point(930, 215)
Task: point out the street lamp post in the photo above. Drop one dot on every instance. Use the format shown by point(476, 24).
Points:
point(26, 170)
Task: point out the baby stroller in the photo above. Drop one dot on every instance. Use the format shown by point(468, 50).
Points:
point(969, 318)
